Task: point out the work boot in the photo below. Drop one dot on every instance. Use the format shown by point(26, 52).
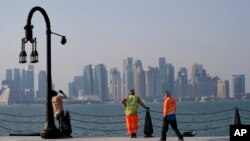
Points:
point(133, 135)
point(162, 140)
point(181, 139)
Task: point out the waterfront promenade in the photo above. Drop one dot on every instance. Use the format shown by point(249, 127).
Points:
point(37, 138)
point(209, 125)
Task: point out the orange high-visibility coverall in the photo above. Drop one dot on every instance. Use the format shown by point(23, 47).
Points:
point(131, 114)
point(132, 123)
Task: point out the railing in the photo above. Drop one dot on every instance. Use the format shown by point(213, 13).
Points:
point(112, 125)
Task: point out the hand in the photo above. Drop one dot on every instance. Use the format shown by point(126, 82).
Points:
point(60, 91)
point(147, 108)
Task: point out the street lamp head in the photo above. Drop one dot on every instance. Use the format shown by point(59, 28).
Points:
point(64, 40)
point(28, 32)
point(23, 55)
point(34, 53)
point(34, 56)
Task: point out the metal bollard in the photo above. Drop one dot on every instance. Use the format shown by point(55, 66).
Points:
point(236, 119)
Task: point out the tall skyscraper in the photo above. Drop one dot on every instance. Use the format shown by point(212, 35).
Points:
point(23, 83)
point(238, 85)
point(88, 87)
point(223, 89)
point(115, 84)
point(76, 87)
point(128, 76)
point(17, 78)
point(170, 79)
point(153, 90)
point(163, 74)
point(139, 80)
point(29, 88)
point(138, 64)
point(203, 84)
point(9, 79)
point(182, 83)
point(23, 79)
point(198, 72)
point(8, 75)
point(101, 82)
point(42, 79)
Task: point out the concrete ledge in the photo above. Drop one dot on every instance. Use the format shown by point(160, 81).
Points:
point(35, 138)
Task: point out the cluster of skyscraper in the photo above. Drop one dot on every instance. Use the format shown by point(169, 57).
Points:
point(93, 84)
point(149, 83)
point(17, 87)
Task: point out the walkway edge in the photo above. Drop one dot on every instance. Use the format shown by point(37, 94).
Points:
point(35, 138)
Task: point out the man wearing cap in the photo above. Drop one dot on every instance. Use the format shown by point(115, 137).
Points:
point(131, 104)
point(169, 117)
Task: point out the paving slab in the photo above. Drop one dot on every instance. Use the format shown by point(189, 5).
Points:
point(37, 138)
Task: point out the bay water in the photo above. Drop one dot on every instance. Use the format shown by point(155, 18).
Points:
point(211, 118)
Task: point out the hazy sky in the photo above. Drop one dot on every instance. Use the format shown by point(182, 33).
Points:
point(214, 33)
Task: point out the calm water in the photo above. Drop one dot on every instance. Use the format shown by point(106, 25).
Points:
point(206, 119)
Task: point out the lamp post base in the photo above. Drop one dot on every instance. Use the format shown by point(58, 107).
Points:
point(51, 133)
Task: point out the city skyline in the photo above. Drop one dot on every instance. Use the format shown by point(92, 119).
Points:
point(131, 66)
point(212, 33)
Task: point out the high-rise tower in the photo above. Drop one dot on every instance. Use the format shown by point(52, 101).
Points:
point(42, 79)
point(238, 85)
point(115, 84)
point(163, 74)
point(139, 80)
point(128, 76)
point(182, 83)
point(101, 82)
point(88, 80)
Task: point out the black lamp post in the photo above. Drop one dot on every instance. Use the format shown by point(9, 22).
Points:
point(50, 130)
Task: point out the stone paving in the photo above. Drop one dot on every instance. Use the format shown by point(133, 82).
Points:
point(37, 138)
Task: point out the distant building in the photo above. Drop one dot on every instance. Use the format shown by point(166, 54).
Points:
point(42, 81)
point(153, 89)
point(29, 88)
point(17, 78)
point(139, 80)
point(11, 95)
point(115, 84)
point(163, 74)
point(76, 87)
point(9, 83)
point(128, 76)
point(238, 85)
point(23, 79)
point(22, 82)
point(8, 75)
point(170, 79)
point(202, 84)
point(101, 82)
point(223, 89)
point(88, 82)
point(182, 83)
